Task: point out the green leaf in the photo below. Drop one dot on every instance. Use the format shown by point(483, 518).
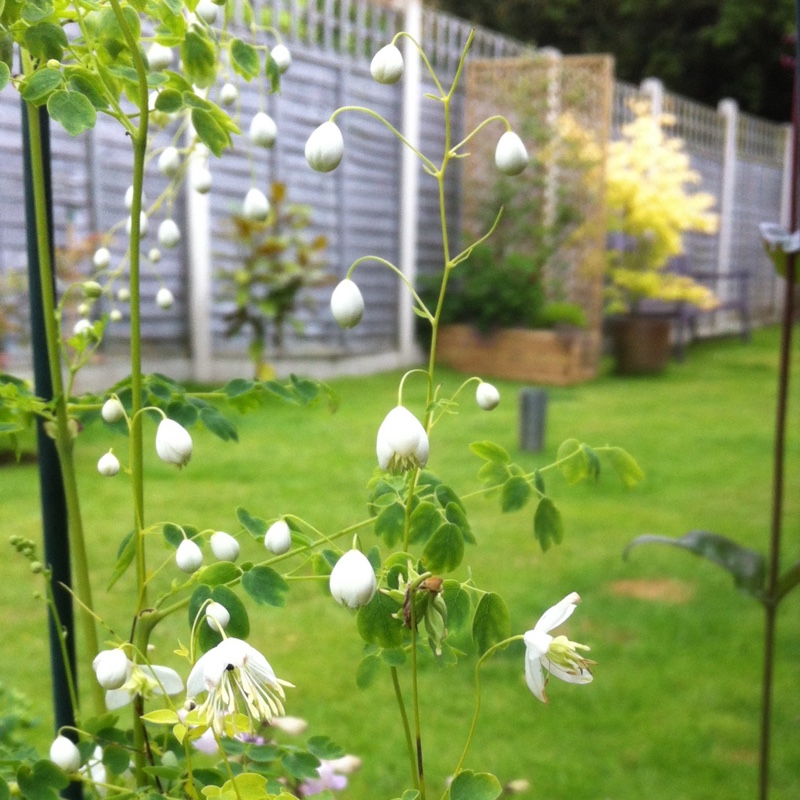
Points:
point(624, 464)
point(218, 424)
point(492, 623)
point(455, 513)
point(254, 525)
point(391, 523)
point(788, 580)
point(490, 451)
point(265, 586)
point(548, 527)
point(45, 40)
point(493, 474)
point(41, 781)
point(516, 494)
point(116, 758)
point(244, 59)
point(162, 716)
point(5, 792)
point(592, 462)
point(573, 467)
point(538, 482)
point(41, 85)
point(445, 495)
point(169, 101)
point(36, 10)
point(209, 131)
point(747, 566)
point(125, 555)
point(262, 753)
point(237, 387)
point(468, 785)
point(199, 58)
point(445, 550)
point(323, 747)
point(301, 765)
point(376, 625)
point(73, 110)
point(425, 519)
point(367, 671)
point(219, 573)
point(83, 81)
point(5, 77)
point(459, 605)
point(239, 625)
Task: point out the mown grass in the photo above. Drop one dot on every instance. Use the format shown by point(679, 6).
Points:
point(673, 711)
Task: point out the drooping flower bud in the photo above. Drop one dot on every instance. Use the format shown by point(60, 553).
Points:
point(101, 258)
point(207, 11)
point(115, 315)
point(256, 205)
point(278, 539)
point(263, 130)
point(347, 304)
point(112, 410)
point(510, 156)
point(189, 557)
point(142, 225)
point(158, 56)
point(487, 396)
point(282, 57)
point(84, 309)
point(64, 754)
point(387, 65)
point(129, 198)
point(112, 668)
point(325, 147)
point(228, 94)
point(352, 580)
point(154, 255)
point(169, 162)
point(108, 465)
point(169, 234)
point(202, 181)
point(224, 546)
point(173, 443)
point(402, 442)
point(164, 298)
point(217, 616)
point(83, 327)
point(294, 726)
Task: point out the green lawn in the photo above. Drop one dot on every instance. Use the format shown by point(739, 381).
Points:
point(673, 711)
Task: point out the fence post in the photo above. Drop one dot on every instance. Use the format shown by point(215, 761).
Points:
point(729, 111)
point(554, 75)
point(654, 89)
point(409, 175)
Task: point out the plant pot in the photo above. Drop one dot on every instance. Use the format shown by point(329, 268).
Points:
point(557, 358)
point(641, 343)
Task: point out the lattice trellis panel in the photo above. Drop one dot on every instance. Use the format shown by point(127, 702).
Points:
point(554, 211)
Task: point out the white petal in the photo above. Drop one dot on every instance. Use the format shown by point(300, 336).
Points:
point(558, 614)
point(168, 678)
point(195, 683)
point(534, 676)
point(537, 643)
point(580, 676)
point(117, 698)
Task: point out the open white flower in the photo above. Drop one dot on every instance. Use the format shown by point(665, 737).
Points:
point(487, 396)
point(237, 679)
point(146, 681)
point(325, 147)
point(387, 65)
point(278, 538)
point(64, 754)
point(556, 655)
point(402, 442)
point(173, 443)
point(282, 57)
point(352, 580)
point(112, 668)
point(510, 156)
point(347, 304)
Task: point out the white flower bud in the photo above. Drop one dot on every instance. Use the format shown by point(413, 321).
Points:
point(402, 441)
point(189, 557)
point(158, 56)
point(352, 580)
point(282, 57)
point(510, 156)
point(84, 309)
point(387, 65)
point(256, 205)
point(294, 726)
point(278, 539)
point(112, 668)
point(173, 443)
point(83, 327)
point(169, 233)
point(202, 181)
point(101, 258)
point(263, 130)
point(129, 198)
point(92, 289)
point(207, 11)
point(487, 396)
point(112, 410)
point(164, 298)
point(64, 754)
point(115, 315)
point(228, 94)
point(346, 765)
point(108, 465)
point(347, 304)
point(224, 546)
point(325, 147)
point(123, 294)
point(154, 255)
point(217, 616)
point(142, 224)
point(169, 162)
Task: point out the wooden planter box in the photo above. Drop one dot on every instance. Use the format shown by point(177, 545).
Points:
point(558, 358)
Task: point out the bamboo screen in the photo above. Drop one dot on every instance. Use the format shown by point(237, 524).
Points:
point(554, 210)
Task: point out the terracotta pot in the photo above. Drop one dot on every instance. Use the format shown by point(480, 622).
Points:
point(641, 343)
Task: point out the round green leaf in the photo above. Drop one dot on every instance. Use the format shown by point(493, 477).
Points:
point(41, 85)
point(45, 40)
point(492, 622)
point(73, 110)
point(445, 551)
point(469, 785)
point(265, 586)
point(376, 625)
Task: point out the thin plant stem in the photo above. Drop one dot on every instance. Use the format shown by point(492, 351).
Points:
point(398, 693)
point(415, 700)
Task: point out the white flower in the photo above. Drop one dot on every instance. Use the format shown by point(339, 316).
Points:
point(278, 539)
point(108, 465)
point(294, 726)
point(112, 410)
point(346, 765)
point(95, 771)
point(487, 396)
point(84, 309)
point(510, 156)
point(164, 298)
point(325, 147)
point(347, 304)
point(228, 94)
point(224, 546)
point(263, 130)
point(158, 56)
point(256, 205)
point(402, 441)
point(146, 681)
point(236, 677)
point(154, 255)
point(189, 556)
point(282, 57)
point(64, 754)
point(142, 224)
point(387, 65)
point(217, 616)
point(173, 443)
point(123, 294)
point(83, 327)
point(115, 315)
point(169, 162)
point(202, 180)
point(129, 198)
point(169, 234)
point(558, 655)
point(101, 258)
point(207, 11)
point(112, 668)
point(352, 580)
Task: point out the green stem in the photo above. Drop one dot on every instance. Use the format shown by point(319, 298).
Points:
point(415, 700)
point(398, 693)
